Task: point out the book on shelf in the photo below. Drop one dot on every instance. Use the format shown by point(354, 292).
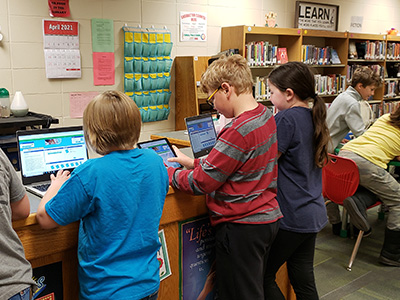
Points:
point(261, 53)
point(335, 57)
point(282, 56)
point(393, 51)
point(312, 55)
point(352, 50)
point(371, 50)
point(331, 84)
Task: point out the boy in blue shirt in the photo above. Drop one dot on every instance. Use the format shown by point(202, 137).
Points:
point(119, 215)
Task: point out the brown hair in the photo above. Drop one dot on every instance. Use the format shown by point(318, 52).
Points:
point(232, 69)
point(394, 118)
point(111, 121)
point(366, 76)
point(298, 77)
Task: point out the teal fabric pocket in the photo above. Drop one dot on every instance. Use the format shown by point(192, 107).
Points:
point(138, 48)
point(139, 99)
point(129, 85)
point(128, 49)
point(146, 49)
point(146, 82)
point(137, 65)
point(167, 49)
point(128, 64)
point(138, 82)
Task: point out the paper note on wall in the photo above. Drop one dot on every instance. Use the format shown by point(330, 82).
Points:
point(103, 68)
point(78, 103)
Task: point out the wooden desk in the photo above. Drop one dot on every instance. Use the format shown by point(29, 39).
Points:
point(43, 247)
point(177, 138)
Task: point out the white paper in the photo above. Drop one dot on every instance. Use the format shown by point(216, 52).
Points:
point(356, 24)
point(193, 26)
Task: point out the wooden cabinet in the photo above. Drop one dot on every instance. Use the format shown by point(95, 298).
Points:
point(44, 247)
point(190, 101)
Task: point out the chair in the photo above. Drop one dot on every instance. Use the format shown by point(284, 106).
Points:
point(340, 179)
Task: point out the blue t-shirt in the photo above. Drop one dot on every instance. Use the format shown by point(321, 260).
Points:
point(119, 200)
point(299, 179)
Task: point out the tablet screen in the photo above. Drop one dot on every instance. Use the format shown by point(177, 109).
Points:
point(201, 134)
point(163, 148)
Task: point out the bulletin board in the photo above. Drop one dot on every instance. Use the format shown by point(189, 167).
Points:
point(147, 66)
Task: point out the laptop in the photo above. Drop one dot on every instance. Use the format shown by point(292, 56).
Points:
point(201, 133)
point(163, 148)
point(42, 152)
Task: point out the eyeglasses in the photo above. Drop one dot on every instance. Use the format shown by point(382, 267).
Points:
point(210, 99)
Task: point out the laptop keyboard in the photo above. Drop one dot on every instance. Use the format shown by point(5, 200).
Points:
point(42, 187)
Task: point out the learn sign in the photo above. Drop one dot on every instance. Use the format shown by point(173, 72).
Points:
point(316, 16)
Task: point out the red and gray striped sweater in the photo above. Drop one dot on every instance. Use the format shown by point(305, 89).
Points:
point(239, 175)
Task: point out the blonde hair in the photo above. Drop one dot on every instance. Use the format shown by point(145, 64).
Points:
point(232, 69)
point(111, 121)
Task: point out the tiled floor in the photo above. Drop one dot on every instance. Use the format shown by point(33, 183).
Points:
point(368, 279)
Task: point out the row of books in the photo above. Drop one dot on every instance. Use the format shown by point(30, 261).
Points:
point(393, 51)
point(313, 55)
point(331, 84)
point(391, 89)
point(262, 53)
point(380, 70)
point(261, 89)
point(367, 50)
point(386, 107)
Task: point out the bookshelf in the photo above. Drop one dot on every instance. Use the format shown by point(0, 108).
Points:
point(188, 69)
point(295, 39)
point(376, 62)
point(190, 101)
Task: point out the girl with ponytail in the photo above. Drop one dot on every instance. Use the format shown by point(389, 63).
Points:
point(303, 139)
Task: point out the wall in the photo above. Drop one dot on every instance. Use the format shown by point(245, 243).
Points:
point(22, 58)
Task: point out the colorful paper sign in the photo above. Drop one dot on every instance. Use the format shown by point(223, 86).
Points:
point(59, 8)
point(103, 68)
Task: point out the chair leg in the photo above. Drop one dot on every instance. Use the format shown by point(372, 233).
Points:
point(343, 231)
point(355, 250)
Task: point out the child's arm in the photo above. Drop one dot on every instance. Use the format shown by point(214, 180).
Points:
point(181, 158)
point(56, 182)
point(21, 208)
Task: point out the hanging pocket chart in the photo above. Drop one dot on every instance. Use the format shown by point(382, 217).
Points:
point(147, 66)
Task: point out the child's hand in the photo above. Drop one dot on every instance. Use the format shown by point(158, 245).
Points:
point(58, 180)
point(181, 158)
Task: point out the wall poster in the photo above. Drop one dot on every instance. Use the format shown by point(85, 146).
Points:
point(316, 16)
point(49, 282)
point(197, 257)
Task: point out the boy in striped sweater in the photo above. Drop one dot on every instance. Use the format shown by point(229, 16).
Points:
point(239, 180)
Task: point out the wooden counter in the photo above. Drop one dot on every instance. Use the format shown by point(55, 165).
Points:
point(43, 247)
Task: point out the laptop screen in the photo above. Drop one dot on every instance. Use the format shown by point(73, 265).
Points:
point(201, 134)
point(45, 151)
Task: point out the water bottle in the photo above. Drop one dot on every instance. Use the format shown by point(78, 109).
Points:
point(4, 103)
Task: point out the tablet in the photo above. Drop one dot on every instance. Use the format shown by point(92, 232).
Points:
point(163, 148)
point(201, 133)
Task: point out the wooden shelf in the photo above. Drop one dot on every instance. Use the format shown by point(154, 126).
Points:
point(188, 71)
point(351, 60)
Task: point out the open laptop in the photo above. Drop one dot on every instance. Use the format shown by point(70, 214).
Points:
point(43, 152)
point(201, 133)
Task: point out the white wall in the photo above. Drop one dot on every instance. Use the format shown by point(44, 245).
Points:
point(22, 58)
